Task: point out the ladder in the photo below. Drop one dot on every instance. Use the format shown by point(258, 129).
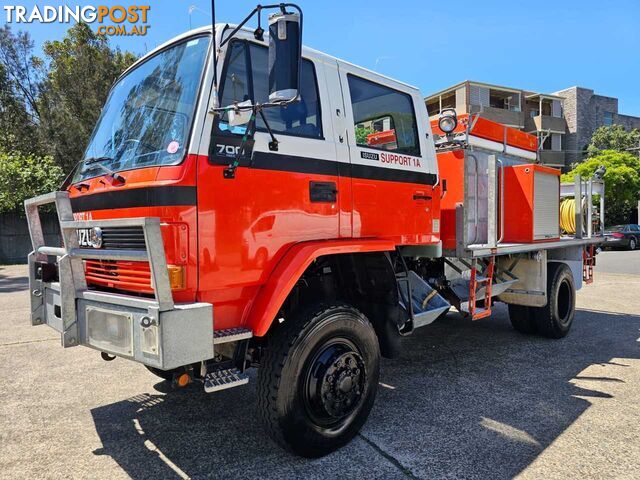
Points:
point(477, 281)
point(588, 262)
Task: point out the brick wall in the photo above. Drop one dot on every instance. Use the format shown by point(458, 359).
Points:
point(584, 112)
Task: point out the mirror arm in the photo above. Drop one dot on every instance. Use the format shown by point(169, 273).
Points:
point(258, 9)
point(230, 170)
point(273, 144)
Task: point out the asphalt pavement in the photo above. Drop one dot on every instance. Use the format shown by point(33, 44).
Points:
point(465, 400)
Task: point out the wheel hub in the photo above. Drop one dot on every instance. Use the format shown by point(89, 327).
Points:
point(336, 384)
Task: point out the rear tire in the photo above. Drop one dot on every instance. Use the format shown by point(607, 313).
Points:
point(522, 320)
point(632, 243)
point(318, 379)
point(554, 320)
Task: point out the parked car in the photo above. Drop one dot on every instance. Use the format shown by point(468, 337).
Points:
point(622, 236)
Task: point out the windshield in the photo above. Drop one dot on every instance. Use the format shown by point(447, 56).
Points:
point(147, 118)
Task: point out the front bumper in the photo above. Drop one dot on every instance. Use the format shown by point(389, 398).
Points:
point(155, 332)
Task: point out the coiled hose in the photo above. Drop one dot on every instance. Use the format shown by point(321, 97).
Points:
point(568, 214)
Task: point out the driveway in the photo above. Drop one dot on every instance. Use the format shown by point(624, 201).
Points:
point(465, 400)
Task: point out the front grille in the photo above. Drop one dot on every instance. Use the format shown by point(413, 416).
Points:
point(119, 275)
point(130, 238)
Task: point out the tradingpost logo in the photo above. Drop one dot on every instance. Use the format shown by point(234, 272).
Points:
point(115, 20)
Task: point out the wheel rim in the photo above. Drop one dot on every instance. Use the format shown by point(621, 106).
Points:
point(334, 384)
point(565, 302)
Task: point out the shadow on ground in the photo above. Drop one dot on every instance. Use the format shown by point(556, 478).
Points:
point(11, 282)
point(471, 400)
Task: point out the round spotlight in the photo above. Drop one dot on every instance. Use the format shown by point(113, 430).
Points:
point(95, 237)
point(448, 121)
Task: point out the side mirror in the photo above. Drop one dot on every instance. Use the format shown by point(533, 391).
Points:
point(285, 30)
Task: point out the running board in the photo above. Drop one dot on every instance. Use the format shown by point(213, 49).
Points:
point(223, 379)
point(231, 335)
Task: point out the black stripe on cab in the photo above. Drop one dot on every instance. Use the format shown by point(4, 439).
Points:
point(136, 197)
point(290, 163)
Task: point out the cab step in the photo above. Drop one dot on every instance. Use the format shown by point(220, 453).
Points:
point(224, 378)
point(231, 335)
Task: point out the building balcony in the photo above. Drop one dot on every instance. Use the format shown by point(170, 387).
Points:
point(544, 123)
point(552, 158)
point(511, 118)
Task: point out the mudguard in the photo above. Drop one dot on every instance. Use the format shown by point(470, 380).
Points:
point(290, 268)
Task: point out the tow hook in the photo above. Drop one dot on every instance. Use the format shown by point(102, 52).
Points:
point(106, 357)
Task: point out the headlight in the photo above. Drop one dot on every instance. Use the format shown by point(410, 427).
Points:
point(110, 331)
point(448, 121)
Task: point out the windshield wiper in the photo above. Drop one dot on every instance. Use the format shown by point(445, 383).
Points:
point(91, 160)
point(94, 163)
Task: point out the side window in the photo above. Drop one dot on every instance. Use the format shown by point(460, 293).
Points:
point(235, 87)
point(241, 83)
point(301, 118)
point(383, 118)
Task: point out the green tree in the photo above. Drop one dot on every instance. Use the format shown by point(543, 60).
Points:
point(18, 129)
point(361, 135)
point(622, 182)
point(25, 176)
point(21, 75)
point(613, 137)
point(82, 69)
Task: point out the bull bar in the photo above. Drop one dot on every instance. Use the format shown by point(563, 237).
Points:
point(156, 332)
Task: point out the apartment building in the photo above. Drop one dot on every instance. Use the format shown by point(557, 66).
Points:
point(537, 113)
point(584, 112)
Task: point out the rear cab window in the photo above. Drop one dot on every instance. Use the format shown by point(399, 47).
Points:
point(384, 118)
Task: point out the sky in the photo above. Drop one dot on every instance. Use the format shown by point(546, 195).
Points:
point(538, 45)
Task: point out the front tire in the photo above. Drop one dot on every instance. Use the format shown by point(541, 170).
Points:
point(554, 320)
point(164, 374)
point(318, 379)
point(522, 319)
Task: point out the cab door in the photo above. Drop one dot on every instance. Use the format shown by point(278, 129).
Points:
point(277, 196)
point(392, 166)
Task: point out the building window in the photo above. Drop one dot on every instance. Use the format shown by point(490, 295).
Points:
point(607, 119)
point(504, 100)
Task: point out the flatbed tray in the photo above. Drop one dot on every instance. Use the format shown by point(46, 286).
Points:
point(477, 251)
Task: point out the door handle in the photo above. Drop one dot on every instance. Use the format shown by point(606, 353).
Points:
point(323, 192)
point(421, 196)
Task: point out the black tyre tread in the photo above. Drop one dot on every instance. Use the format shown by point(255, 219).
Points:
point(545, 322)
point(164, 374)
point(522, 319)
point(280, 344)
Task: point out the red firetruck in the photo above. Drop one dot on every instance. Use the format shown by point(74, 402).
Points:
point(245, 202)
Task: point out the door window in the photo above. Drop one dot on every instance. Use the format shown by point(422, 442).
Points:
point(383, 118)
point(246, 77)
